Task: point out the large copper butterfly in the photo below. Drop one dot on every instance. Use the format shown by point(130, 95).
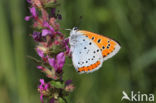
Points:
point(89, 50)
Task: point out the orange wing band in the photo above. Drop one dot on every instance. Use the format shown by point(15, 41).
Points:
point(89, 68)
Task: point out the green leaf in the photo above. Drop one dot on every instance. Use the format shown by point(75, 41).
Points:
point(61, 100)
point(57, 84)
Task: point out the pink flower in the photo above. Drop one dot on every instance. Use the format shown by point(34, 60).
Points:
point(33, 14)
point(36, 36)
point(41, 68)
point(66, 41)
point(40, 52)
point(27, 18)
point(46, 32)
point(46, 24)
point(43, 88)
point(57, 63)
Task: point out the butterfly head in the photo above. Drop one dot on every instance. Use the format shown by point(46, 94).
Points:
point(74, 31)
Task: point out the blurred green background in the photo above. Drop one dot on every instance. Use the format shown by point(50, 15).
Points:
point(131, 22)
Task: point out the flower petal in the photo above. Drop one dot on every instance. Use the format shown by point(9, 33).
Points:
point(52, 63)
point(33, 11)
point(66, 41)
point(40, 52)
point(39, 67)
point(60, 60)
point(42, 81)
point(45, 32)
point(36, 36)
point(48, 26)
point(27, 18)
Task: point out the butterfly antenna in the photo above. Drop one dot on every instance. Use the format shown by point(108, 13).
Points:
point(79, 22)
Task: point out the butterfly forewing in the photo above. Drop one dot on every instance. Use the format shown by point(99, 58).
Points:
point(107, 46)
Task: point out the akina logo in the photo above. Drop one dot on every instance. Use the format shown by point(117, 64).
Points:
point(137, 96)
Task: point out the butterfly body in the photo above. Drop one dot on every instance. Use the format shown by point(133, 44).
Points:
point(89, 50)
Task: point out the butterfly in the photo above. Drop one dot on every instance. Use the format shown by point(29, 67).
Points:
point(89, 50)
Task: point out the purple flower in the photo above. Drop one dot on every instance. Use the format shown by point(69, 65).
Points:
point(27, 18)
point(41, 68)
point(40, 52)
point(49, 27)
point(43, 88)
point(66, 41)
point(33, 12)
point(36, 36)
point(46, 32)
point(57, 63)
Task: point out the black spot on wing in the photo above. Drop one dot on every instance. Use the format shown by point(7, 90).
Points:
point(99, 40)
point(92, 38)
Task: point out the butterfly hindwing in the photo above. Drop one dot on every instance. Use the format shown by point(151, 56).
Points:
point(86, 55)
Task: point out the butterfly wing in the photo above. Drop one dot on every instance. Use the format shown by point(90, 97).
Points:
point(86, 55)
point(107, 46)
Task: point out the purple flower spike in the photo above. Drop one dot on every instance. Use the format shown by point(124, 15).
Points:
point(36, 36)
point(45, 32)
point(33, 12)
point(40, 52)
